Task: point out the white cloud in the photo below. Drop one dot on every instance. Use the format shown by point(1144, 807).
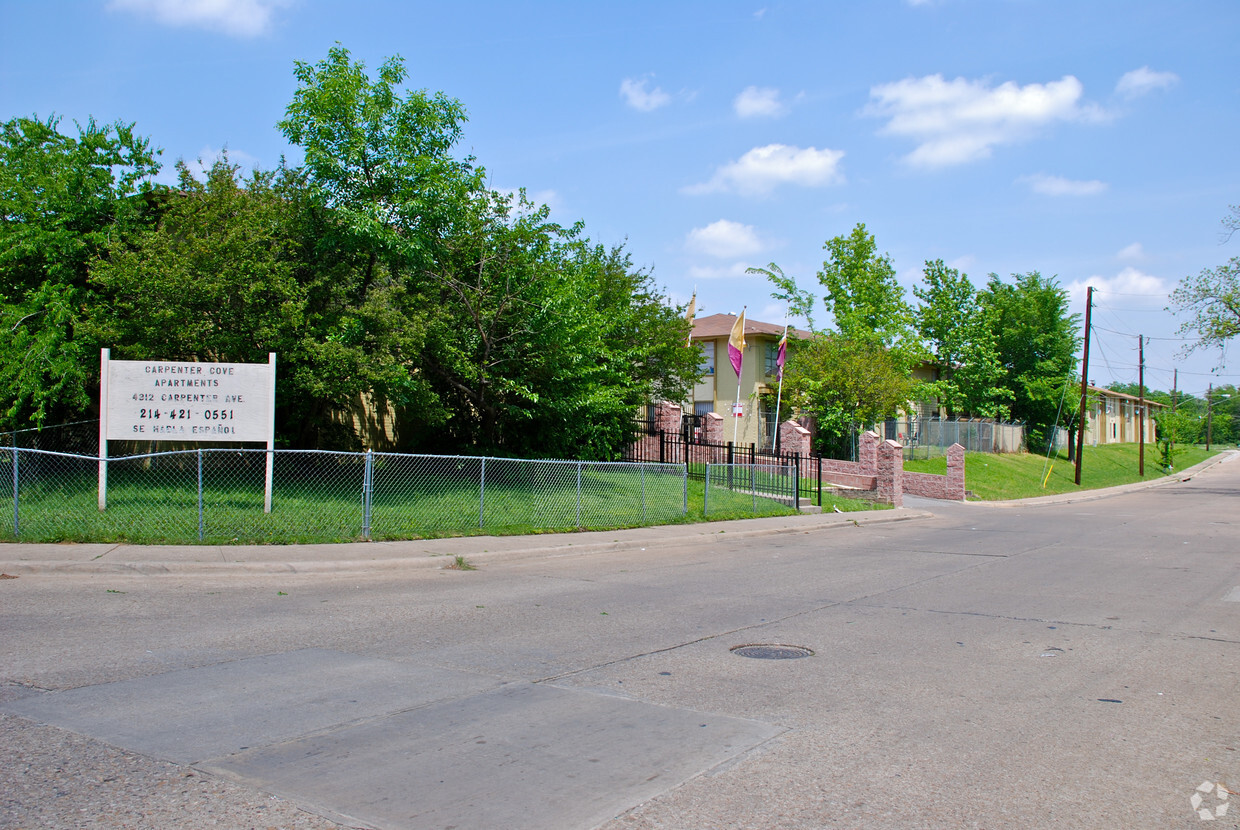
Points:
point(1141, 81)
point(761, 169)
point(636, 95)
point(242, 18)
point(725, 239)
point(1059, 186)
point(536, 197)
point(759, 102)
point(207, 157)
point(1128, 281)
point(716, 272)
point(958, 121)
point(1134, 252)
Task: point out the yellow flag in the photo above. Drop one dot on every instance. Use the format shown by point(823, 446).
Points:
point(736, 343)
point(689, 314)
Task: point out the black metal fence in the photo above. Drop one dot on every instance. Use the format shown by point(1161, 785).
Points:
point(806, 480)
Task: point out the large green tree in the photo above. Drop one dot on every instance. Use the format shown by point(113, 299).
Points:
point(543, 343)
point(961, 335)
point(61, 198)
point(1037, 341)
point(536, 341)
point(866, 302)
point(380, 159)
point(384, 273)
point(860, 372)
point(845, 385)
point(225, 271)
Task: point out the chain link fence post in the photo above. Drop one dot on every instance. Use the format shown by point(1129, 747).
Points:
point(482, 492)
point(644, 493)
point(368, 486)
point(753, 483)
point(578, 494)
point(706, 490)
point(200, 495)
point(16, 522)
point(684, 482)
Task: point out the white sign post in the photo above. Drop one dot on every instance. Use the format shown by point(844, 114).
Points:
point(153, 400)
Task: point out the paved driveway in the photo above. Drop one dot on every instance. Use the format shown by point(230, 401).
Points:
point(1057, 665)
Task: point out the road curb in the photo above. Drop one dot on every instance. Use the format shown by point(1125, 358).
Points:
point(440, 553)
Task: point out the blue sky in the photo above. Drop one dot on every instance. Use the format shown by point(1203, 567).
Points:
point(1092, 141)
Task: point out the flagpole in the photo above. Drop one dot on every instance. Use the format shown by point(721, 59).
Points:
point(780, 394)
point(740, 369)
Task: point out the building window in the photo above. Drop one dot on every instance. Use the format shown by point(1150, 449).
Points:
point(703, 407)
point(707, 366)
point(771, 353)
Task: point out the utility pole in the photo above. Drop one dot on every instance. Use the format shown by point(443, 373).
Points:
point(1080, 435)
point(1141, 403)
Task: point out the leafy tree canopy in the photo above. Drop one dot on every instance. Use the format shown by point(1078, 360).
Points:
point(1037, 342)
point(379, 159)
point(960, 333)
point(60, 199)
point(388, 278)
point(864, 298)
point(846, 384)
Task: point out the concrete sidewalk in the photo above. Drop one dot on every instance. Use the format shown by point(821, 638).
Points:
point(18, 558)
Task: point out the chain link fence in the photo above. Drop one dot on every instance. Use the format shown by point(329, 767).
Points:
point(217, 496)
point(930, 437)
point(734, 488)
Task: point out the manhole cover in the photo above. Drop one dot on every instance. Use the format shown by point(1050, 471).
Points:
point(772, 651)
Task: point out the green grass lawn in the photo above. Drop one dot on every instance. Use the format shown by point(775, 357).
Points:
point(319, 499)
point(991, 476)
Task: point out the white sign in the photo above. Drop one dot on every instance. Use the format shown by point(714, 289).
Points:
point(151, 400)
point(157, 400)
point(738, 409)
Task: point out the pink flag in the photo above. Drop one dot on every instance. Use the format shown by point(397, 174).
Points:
point(783, 353)
point(736, 343)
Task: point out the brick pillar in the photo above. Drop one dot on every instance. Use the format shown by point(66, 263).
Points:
point(867, 450)
point(955, 473)
point(667, 417)
point(667, 421)
point(891, 472)
point(712, 428)
point(793, 439)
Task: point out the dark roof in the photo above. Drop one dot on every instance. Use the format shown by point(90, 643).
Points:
point(720, 325)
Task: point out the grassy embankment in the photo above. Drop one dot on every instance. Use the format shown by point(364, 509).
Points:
point(305, 509)
point(990, 477)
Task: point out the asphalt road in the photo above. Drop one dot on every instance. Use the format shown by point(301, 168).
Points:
point(1051, 665)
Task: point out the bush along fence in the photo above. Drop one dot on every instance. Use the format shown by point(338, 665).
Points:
point(877, 474)
point(217, 495)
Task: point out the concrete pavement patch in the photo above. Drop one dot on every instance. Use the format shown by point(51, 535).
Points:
point(392, 745)
point(520, 756)
point(194, 714)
